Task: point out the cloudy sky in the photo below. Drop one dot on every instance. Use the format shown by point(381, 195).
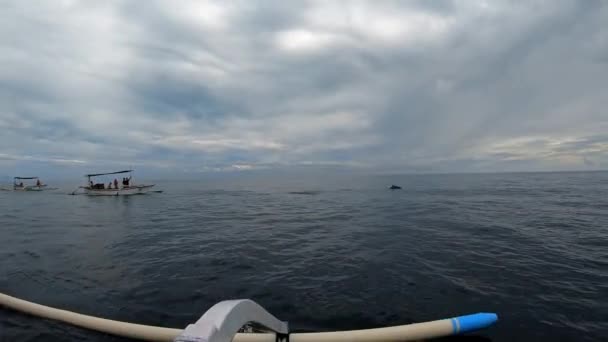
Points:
point(382, 86)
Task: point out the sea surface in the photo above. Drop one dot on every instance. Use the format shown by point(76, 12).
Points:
point(322, 253)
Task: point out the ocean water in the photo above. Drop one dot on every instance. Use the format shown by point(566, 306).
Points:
point(322, 254)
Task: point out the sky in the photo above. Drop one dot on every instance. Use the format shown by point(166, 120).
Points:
point(188, 87)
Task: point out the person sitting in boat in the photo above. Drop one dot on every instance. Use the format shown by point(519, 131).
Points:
point(38, 182)
point(110, 185)
point(115, 183)
point(125, 182)
point(91, 185)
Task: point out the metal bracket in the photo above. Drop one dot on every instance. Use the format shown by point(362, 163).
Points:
point(223, 320)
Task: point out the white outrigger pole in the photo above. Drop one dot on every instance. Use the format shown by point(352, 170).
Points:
point(114, 189)
point(222, 322)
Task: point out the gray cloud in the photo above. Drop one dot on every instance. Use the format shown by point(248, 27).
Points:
point(385, 86)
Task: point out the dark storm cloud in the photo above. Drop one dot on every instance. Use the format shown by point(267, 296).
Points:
point(386, 85)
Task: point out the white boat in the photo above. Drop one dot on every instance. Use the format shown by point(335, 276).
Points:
point(18, 184)
point(115, 188)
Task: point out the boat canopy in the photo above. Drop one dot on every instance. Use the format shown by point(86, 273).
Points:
point(108, 173)
point(25, 178)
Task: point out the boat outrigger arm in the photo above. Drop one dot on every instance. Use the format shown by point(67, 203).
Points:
point(222, 321)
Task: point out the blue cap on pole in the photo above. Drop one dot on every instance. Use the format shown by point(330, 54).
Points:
point(468, 323)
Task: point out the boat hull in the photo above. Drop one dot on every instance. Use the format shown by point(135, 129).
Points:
point(31, 188)
point(127, 191)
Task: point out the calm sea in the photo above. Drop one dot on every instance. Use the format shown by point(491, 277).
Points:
point(324, 255)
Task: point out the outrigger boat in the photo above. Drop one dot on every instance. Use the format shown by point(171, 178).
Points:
point(125, 188)
point(19, 186)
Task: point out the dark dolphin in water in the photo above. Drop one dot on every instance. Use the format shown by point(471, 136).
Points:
point(394, 187)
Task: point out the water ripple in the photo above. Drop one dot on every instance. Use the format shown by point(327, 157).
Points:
point(533, 248)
